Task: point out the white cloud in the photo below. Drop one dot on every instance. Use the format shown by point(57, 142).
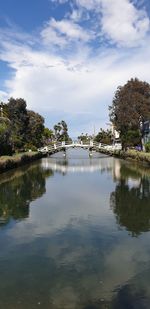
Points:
point(83, 80)
point(80, 85)
point(51, 37)
point(121, 22)
point(70, 29)
point(76, 15)
point(62, 32)
point(89, 4)
point(3, 96)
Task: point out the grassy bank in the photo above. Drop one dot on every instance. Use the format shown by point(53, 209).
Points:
point(10, 162)
point(138, 156)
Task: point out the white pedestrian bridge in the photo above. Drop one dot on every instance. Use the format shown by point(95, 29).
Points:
point(91, 145)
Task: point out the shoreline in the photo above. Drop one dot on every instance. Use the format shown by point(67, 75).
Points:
point(130, 155)
point(11, 162)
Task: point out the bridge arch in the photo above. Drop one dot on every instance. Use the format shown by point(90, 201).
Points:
point(91, 145)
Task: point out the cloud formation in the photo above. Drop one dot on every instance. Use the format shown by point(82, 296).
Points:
point(119, 21)
point(69, 69)
point(62, 32)
point(123, 23)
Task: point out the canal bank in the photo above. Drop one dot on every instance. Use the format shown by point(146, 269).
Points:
point(17, 160)
point(10, 162)
point(131, 154)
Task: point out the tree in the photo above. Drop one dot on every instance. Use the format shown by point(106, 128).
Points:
point(48, 136)
point(17, 113)
point(64, 133)
point(5, 132)
point(131, 138)
point(35, 129)
point(20, 128)
point(130, 108)
point(61, 131)
point(84, 137)
point(5, 139)
point(57, 130)
point(28, 184)
point(104, 137)
point(131, 206)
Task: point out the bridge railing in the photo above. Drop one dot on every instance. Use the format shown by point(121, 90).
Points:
point(90, 144)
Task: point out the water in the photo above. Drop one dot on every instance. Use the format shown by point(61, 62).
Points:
point(75, 234)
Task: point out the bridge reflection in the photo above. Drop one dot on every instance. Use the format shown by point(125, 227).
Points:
point(65, 166)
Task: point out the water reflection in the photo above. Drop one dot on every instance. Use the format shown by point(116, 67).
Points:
point(131, 200)
point(78, 164)
point(27, 185)
point(69, 253)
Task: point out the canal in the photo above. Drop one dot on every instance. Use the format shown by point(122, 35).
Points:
point(75, 234)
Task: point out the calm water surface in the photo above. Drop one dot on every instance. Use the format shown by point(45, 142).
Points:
point(75, 234)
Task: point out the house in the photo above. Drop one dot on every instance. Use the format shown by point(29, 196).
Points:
point(115, 136)
point(146, 131)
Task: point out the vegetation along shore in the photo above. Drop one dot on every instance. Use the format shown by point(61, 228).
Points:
point(130, 154)
point(10, 162)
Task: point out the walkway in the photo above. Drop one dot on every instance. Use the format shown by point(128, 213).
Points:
point(91, 145)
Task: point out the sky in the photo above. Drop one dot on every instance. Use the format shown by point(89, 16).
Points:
point(66, 58)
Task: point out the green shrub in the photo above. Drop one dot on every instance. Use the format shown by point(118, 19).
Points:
point(30, 146)
point(7, 162)
point(147, 147)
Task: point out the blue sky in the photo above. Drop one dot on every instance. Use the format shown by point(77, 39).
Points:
point(66, 58)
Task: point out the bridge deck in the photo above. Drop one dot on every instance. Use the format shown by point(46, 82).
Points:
point(58, 146)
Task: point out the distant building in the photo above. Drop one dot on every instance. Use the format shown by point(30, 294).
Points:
point(115, 134)
point(146, 131)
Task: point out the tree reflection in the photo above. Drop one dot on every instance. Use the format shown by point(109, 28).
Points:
point(131, 297)
point(15, 196)
point(131, 201)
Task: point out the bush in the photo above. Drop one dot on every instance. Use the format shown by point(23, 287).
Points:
point(147, 147)
point(30, 146)
point(7, 162)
